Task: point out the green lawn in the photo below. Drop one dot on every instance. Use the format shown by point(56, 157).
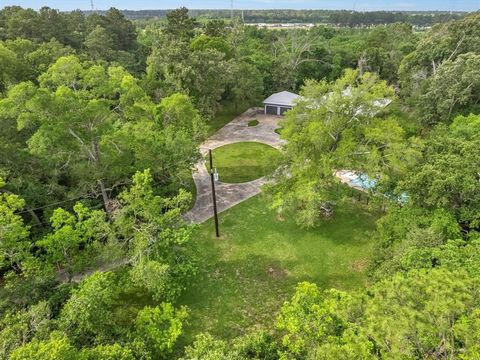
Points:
point(245, 161)
point(246, 275)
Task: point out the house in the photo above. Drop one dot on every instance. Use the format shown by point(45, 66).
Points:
point(278, 103)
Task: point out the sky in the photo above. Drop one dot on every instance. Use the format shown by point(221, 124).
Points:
point(359, 5)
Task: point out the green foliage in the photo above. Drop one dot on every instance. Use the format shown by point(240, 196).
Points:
point(75, 124)
point(99, 44)
point(215, 28)
point(57, 347)
point(407, 316)
point(86, 317)
point(447, 178)
point(257, 345)
point(339, 125)
point(443, 43)
point(247, 84)
point(94, 126)
point(309, 317)
point(158, 328)
point(160, 243)
point(107, 352)
point(151, 275)
point(8, 63)
point(75, 237)
point(385, 48)
point(453, 89)
point(14, 234)
point(18, 328)
point(179, 24)
point(204, 42)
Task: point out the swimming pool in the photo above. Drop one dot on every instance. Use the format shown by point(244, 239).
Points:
point(364, 182)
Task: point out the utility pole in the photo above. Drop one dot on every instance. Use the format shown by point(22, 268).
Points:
point(231, 10)
point(214, 197)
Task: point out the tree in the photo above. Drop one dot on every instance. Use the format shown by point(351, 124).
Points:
point(99, 44)
point(411, 315)
point(122, 31)
point(453, 89)
point(108, 352)
point(75, 116)
point(204, 42)
point(160, 242)
point(292, 50)
point(311, 317)
point(75, 237)
point(57, 347)
point(385, 48)
point(180, 25)
point(14, 234)
point(7, 67)
point(447, 177)
point(247, 87)
point(18, 328)
point(206, 347)
point(255, 345)
point(444, 42)
point(338, 126)
point(158, 328)
point(424, 309)
point(215, 28)
point(86, 317)
point(206, 79)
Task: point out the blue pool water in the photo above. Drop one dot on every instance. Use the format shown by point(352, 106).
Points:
point(366, 183)
point(363, 182)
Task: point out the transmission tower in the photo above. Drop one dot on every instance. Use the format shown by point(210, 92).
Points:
point(231, 10)
point(92, 6)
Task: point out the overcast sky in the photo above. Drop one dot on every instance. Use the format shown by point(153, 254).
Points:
point(359, 5)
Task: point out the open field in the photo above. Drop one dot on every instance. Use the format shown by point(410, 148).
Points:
point(247, 274)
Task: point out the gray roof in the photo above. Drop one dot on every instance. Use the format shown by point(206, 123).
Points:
point(282, 98)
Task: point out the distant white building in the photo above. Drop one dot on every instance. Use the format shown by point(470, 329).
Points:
point(279, 103)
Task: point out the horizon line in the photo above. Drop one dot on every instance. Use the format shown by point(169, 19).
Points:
point(243, 9)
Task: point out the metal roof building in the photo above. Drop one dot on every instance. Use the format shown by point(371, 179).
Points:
point(278, 103)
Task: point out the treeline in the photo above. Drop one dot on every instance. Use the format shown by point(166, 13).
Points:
point(420, 19)
point(109, 37)
point(334, 17)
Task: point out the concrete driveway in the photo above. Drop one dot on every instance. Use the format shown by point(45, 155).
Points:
point(229, 195)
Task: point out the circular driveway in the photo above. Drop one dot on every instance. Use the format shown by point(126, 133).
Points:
point(229, 195)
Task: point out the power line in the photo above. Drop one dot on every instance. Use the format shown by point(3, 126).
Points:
point(55, 203)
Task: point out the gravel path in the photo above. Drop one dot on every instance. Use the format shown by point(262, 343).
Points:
point(229, 195)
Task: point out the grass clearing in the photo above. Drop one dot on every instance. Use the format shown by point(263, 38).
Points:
point(246, 275)
point(227, 113)
point(245, 161)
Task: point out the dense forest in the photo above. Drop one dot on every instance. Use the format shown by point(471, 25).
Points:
point(100, 126)
point(334, 17)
